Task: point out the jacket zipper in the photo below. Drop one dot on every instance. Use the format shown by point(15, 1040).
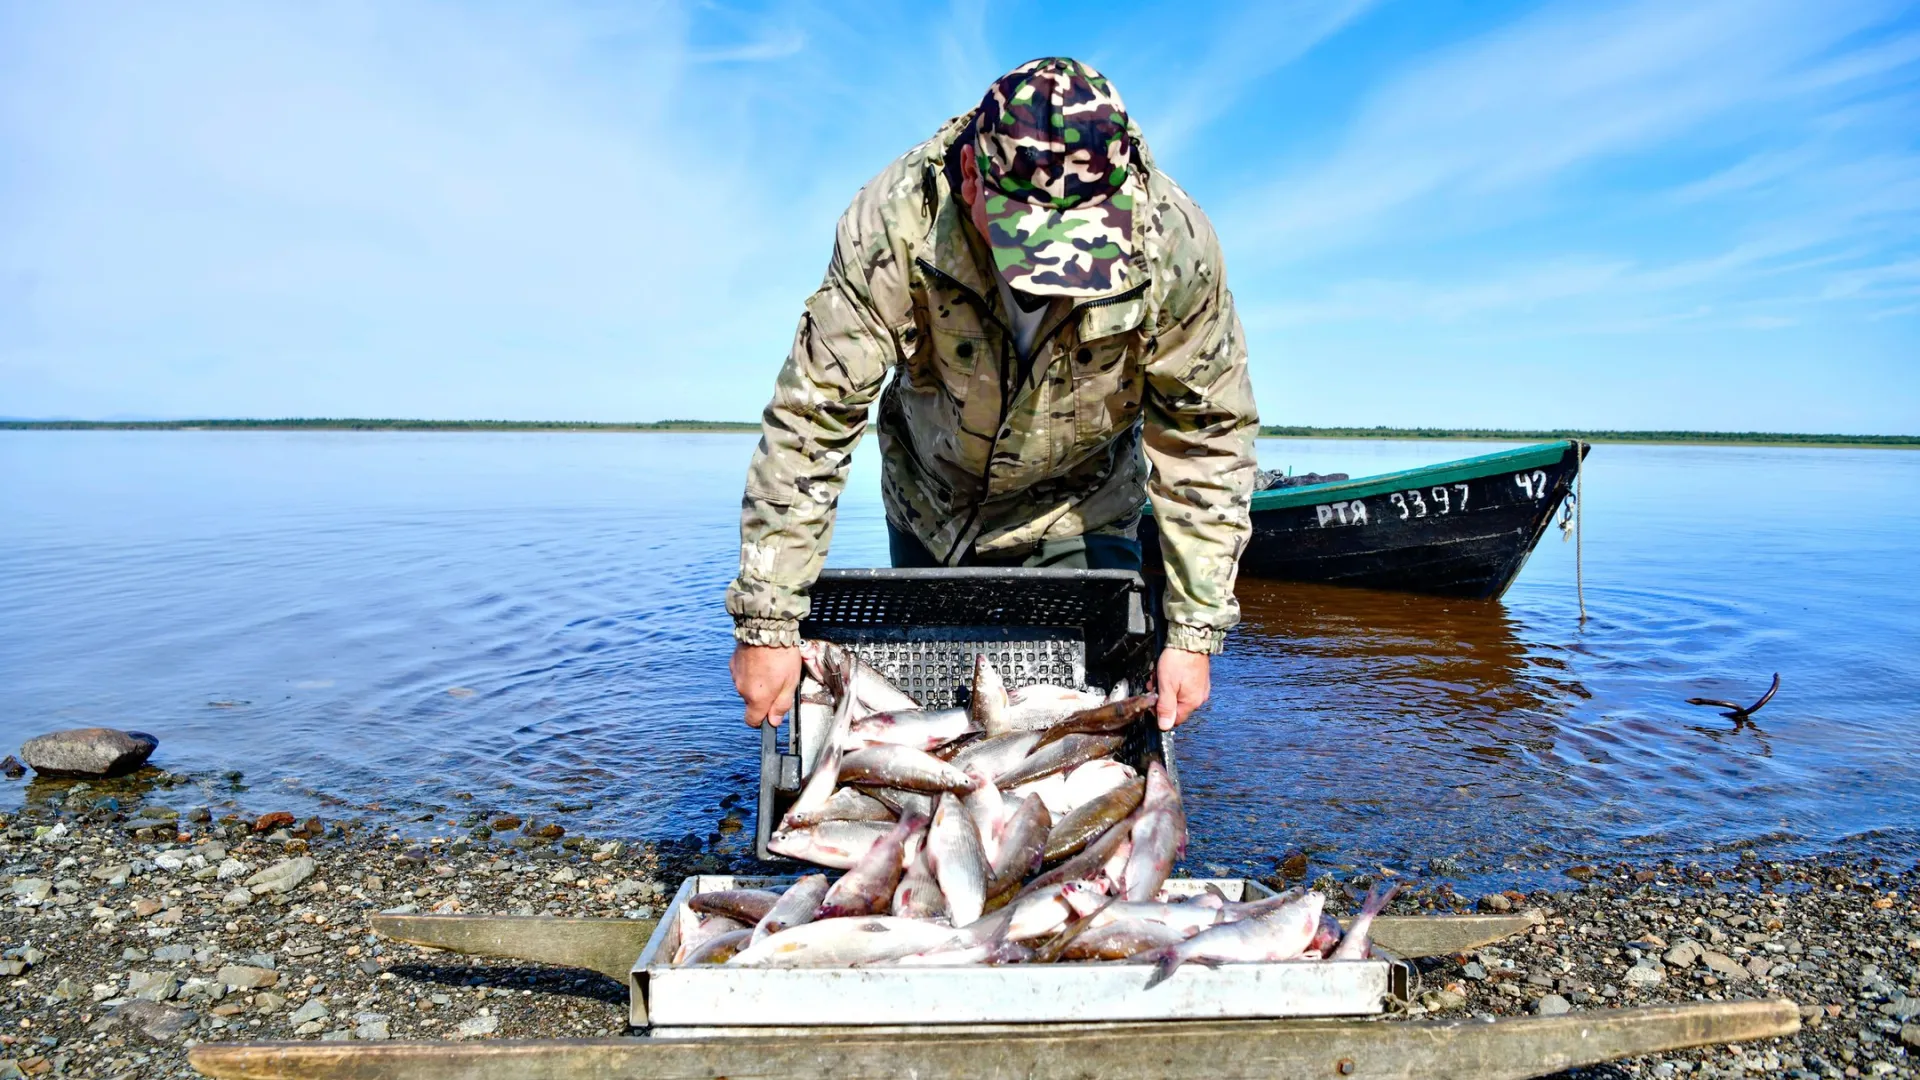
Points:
point(1006, 395)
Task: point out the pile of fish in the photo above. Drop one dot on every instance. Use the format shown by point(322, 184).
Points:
point(1002, 832)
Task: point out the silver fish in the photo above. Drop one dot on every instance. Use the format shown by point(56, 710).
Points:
point(870, 939)
point(1036, 708)
point(1059, 757)
point(988, 704)
point(1046, 912)
point(1122, 939)
point(846, 804)
point(996, 754)
point(696, 931)
point(720, 948)
point(902, 767)
point(799, 904)
point(826, 771)
point(867, 889)
point(922, 729)
point(1091, 861)
point(903, 802)
point(958, 863)
point(1281, 934)
point(1159, 836)
point(1022, 843)
point(840, 669)
point(918, 895)
point(989, 811)
point(1353, 946)
point(838, 844)
point(1187, 917)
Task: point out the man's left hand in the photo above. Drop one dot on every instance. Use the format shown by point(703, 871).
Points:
point(1184, 679)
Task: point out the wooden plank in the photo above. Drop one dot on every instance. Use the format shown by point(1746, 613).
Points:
point(1431, 1050)
point(608, 946)
point(1410, 936)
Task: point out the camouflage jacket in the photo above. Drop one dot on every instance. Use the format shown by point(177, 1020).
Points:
point(982, 451)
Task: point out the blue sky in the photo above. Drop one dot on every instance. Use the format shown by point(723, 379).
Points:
point(1593, 214)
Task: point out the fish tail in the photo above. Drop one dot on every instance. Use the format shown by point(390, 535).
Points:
point(1164, 965)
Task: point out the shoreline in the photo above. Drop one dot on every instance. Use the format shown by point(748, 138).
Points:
point(1616, 438)
point(135, 937)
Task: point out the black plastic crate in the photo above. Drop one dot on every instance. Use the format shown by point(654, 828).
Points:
point(923, 628)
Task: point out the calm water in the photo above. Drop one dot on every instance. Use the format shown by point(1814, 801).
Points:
point(430, 624)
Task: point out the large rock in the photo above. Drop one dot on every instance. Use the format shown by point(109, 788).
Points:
point(88, 752)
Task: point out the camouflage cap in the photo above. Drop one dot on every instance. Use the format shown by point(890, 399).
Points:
point(1051, 144)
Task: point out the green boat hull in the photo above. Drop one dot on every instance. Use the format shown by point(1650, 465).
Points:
point(1460, 528)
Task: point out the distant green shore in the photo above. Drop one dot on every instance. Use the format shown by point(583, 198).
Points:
point(1719, 438)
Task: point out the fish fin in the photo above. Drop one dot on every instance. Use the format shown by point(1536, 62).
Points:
point(1217, 891)
point(1165, 963)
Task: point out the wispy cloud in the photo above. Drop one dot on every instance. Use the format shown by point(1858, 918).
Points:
point(1571, 87)
point(1247, 45)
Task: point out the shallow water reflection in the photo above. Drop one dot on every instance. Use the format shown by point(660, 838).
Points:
point(414, 625)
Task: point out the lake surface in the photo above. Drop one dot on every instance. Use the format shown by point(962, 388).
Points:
point(401, 625)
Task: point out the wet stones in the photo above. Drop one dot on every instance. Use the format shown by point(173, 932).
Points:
point(88, 753)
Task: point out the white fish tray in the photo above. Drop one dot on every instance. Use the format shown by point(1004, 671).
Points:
point(722, 999)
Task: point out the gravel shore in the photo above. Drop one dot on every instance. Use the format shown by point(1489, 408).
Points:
point(137, 924)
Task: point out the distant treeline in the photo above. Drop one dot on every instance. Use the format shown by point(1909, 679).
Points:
point(1750, 438)
point(1768, 438)
point(325, 424)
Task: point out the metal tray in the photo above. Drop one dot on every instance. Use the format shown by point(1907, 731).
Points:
point(922, 629)
point(723, 999)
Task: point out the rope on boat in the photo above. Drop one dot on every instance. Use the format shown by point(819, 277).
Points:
point(1579, 518)
point(1573, 515)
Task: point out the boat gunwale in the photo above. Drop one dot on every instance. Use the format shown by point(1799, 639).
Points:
point(1445, 472)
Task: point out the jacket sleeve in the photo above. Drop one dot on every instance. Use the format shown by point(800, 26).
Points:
point(1200, 424)
point(841, 354)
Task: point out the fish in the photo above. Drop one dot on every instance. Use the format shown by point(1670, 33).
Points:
point(922, 729)
point(1325, 938)
point(1091, 859)
point(838, 844)
point(903, 802)
point(1046, 912)
point(845, 804)
point(918, 895)
point(840, 670)
point(1023, 841)
point(891, 766)
point(996, 754)
point(1353, 946)
point(869, 939)
point(989, 811)
point(1056, 946)
point(748, 906)
point(951, 750)
point(867, 889)
point(1122, 939)
point(799, 904)
point(825, 777)
point(720, 948)
point(957, 861)
point(1092, 819)
point(1087, 783)
point(1104, 719)
point(1159, 836)
point(988, 702)
point(696, 931)
point(1187, 917)
point(1280, 934)
point(1036, 708)
point(1059, 757)
point(1052, 791)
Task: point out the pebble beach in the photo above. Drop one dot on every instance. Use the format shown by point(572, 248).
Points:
point(138, 924)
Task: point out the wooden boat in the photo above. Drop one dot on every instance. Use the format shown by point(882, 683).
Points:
point(1460, 528)
point(1462, 1049)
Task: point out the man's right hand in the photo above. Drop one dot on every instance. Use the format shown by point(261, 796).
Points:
point(766, 677)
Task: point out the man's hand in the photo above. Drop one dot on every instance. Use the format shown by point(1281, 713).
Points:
point(766, 677)
point(1184, 679)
